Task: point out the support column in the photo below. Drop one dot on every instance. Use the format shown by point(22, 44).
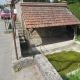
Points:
point(75, 32)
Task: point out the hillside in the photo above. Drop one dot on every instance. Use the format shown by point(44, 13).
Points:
point(75, 9)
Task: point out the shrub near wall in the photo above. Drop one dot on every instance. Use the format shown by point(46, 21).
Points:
point(75, 9)
point(72, 1)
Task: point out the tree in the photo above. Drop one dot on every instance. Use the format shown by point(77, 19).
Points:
point(1, 6)
point(72, 1)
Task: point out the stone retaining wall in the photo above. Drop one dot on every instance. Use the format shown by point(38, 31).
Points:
point(45, 67)
point(47, 70)
point(47, 32)
point(22, 62)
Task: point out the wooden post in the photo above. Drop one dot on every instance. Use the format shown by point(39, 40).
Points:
point(5, 20)
point(14, 38)
point(75, 32)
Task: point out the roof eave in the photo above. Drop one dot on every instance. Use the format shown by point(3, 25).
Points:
point(44, 4)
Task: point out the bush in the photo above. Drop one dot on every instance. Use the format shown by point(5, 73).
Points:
point(55, 1)
point(75, 9)
point(72, 1)
point(75, 76)
point(78, 37)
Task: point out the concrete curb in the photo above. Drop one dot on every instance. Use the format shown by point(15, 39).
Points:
point(77, 42)
point(47, 70)
point(22, 62)
point(49, 49)
point(45, 67)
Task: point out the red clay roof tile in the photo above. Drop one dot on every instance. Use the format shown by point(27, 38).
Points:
point(47, 14)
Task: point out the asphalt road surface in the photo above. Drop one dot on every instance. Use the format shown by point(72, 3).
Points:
point(6, 72)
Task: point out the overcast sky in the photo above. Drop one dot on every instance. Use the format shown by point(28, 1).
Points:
point(51, 0)
point(2, 2)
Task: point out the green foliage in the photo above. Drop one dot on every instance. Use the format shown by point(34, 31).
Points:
point(72, 1)
point(78, 37)
point(55, 1)
point(65, 61)
point(17, 69)
point(1, 6)
point(12, 3)
point(64, 77)
point(75, 9)
point(75, 76)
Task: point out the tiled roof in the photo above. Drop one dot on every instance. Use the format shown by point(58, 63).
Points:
point(47, 14)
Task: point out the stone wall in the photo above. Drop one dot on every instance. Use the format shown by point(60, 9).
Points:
point(47, 32)
point(47, 70)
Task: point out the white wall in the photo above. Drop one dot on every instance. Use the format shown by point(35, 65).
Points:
point(18, 9)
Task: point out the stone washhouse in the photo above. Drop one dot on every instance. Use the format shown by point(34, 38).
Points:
point(43, 21)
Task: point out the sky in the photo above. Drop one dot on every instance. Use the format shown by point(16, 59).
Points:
point(51, 0)
point(2, 1)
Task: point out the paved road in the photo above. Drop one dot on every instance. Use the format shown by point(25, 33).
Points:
point(2, 27)
point(6, 41)
point(6, 72)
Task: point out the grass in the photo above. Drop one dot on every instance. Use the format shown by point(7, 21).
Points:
point(8, 31)
point(75, 76)
point(75, 9)
point(78, 37)
point(65, 61)
point(17, 69)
